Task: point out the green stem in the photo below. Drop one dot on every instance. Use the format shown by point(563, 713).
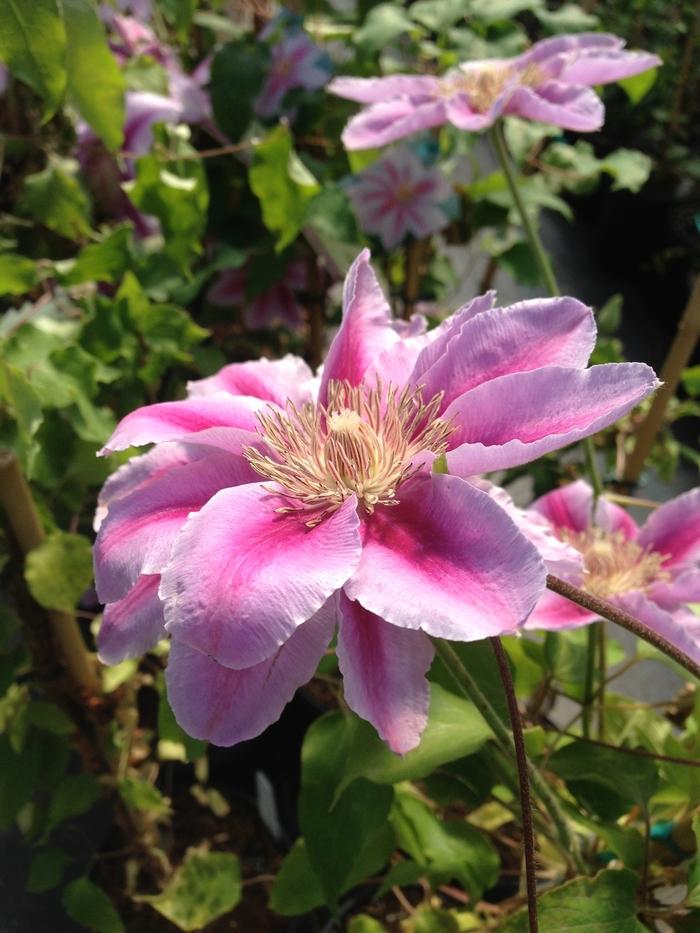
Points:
point(499, 143)
point(588, 681)
point(469, 688)
point(602, 675)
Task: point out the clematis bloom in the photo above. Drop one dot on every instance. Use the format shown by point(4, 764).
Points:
point(398, 195)
point(653, 572)
point(551, 82)
point(275, 506)
point(295, 62)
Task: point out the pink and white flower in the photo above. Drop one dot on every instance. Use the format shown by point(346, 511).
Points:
point(295, 62)
point(275, 506)
point(551, 82)
point(653, 572)
point(398, 195)
point(279, 302)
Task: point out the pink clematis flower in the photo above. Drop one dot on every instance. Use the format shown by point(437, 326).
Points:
point(275, 506)
point(295, 62)
point(653, 572)
point(278, 303)
point(551, 82)
point(398, 195)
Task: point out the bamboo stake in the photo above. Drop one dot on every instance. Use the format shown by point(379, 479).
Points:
point(678, 356)
point(16, 499)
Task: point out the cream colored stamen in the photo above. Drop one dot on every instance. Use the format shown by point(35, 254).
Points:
point(363, 442)
point(485, 84)
point(614, 564)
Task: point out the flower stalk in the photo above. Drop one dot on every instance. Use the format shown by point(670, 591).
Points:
point(607, 611)
point(18, 504)
point(523, 782)
point(471, 690)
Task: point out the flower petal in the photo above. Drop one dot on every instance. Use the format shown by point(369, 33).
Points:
point(243, 577)
point(383, 123)
point(172, 421)
point(227, 706)
point(603, 66)
point(448, 560)
point(384, 670)
point(571, 507)
point(681, 590)
point(525, 336)
point(137, 534)
point(516, 418)
point(377, 90)
point(554, 613)
point(674, 529)
point(272, 380)
point(133, 624)
point(366, 328)
point(681, 629)
point(566, 105)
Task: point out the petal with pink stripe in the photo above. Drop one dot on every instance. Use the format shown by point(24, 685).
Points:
point(674, 529)
point(133, 624)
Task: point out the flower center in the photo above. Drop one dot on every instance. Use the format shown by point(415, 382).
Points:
point(485, 84)
point(614, 564)
point(364, 442)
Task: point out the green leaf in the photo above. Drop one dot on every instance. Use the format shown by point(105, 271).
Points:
point(429, 920)
point(33, 46)
point(105, 261)
point(74, 795)
point(629, 168)
point(89, 906)
point(568, 18)
point(176, 193)
point(625, 779)
point(113, 677)
point(455, 729)
point(18, 400)
point(140, 795)
point(17, 273)
point(383, 24)
point(693, 897)
point(604, 904)
point(691, 380)
point(363, 923)
point(638, 86)
point(609, 317)
point(59, 570)
point(449, 849)
point(336, 827)
point(237, 74)
point(50, 718)
point(95, 82)
point(282, 184)
point(206, 886)
point(46, 869)
point(439, 15)
point(55, 198)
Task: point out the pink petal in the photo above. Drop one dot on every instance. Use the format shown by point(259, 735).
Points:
point(242, 577)
point(606, 65)
point(681, 629)
point(137, 534)
point(566, 105)
point(553, 613)
point(674, 529)
point(516, 418)
point(228, 289)
point(272, 380)
point(133, 624)
point(172, 421)
point(366, 328)
point(556, 45)
point(444, 334)
point(446, 560)
point(523, 337)
point(384, 670)
point(139, 470)
point(378, 90)
point(571, 507)
point(383, 123)
point(227, 706)
point(462, 115)
point(681, 590)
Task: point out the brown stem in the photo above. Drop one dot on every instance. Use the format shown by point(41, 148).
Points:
point(523, 782)
point(678, 356)
point(17, 501)
point(489, 274)
point(606, 610)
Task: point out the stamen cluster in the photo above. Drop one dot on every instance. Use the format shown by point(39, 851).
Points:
point(363, 442)
point(484, 85)
point(613, 563)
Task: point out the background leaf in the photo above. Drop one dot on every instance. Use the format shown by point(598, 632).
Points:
point(33, 46)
